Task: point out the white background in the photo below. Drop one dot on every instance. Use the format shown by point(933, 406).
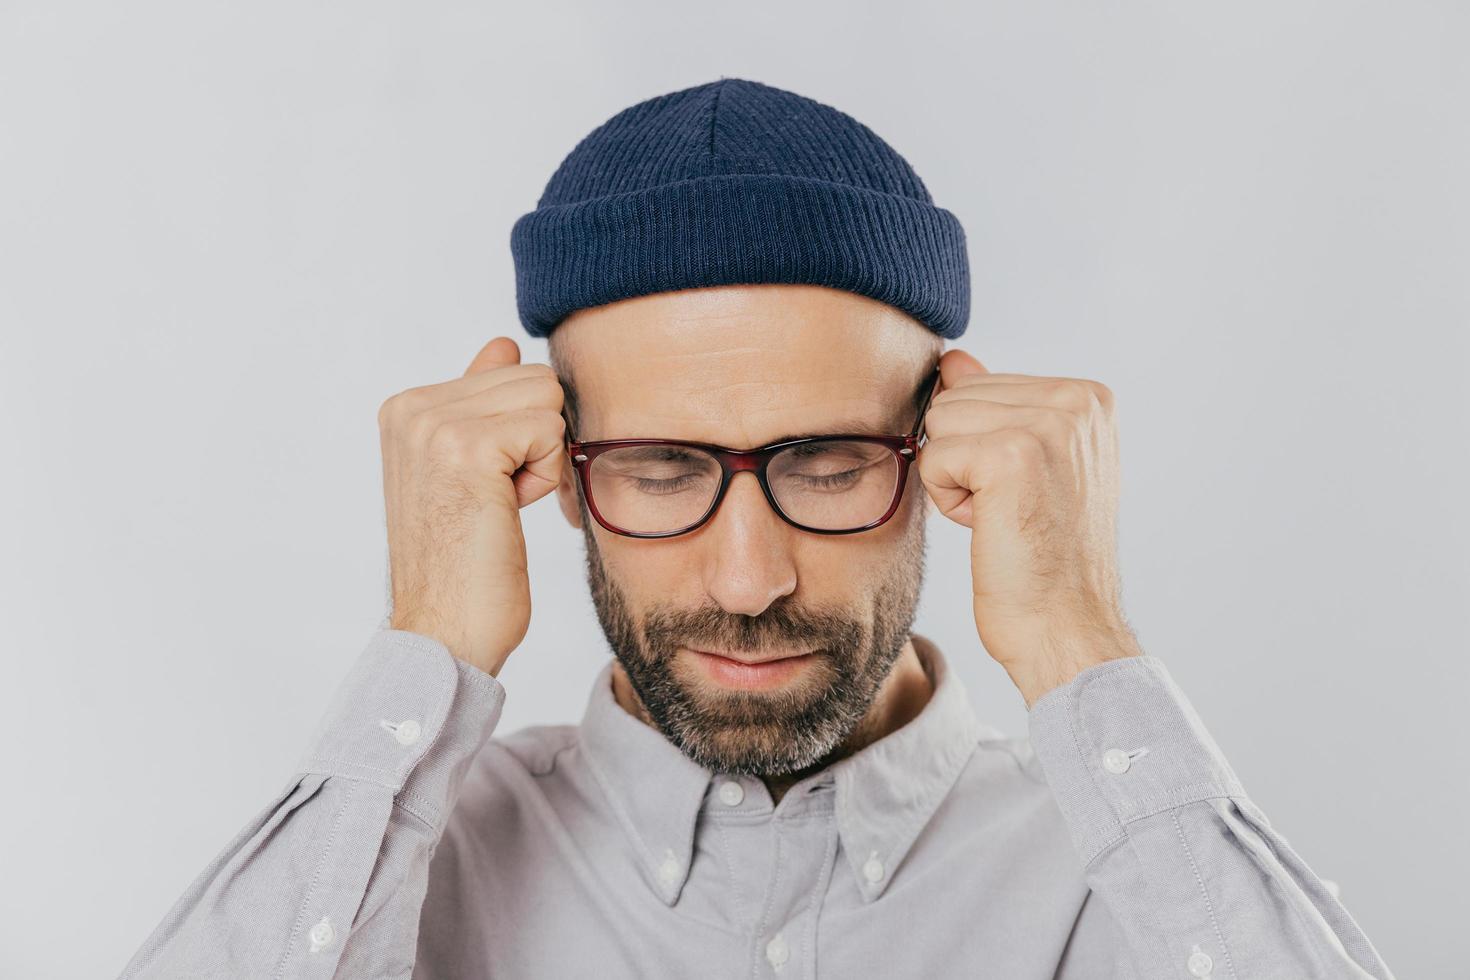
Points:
point(229, 231)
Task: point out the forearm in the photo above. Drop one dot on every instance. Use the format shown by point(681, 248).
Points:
point(328, 878)
point(1196, 878)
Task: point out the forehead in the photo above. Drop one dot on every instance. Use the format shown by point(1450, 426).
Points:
point(744, 365)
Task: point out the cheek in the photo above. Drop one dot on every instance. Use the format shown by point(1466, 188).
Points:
point(845, 569)
point(652, 571)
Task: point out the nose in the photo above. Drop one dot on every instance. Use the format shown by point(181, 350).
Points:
point(749, 564)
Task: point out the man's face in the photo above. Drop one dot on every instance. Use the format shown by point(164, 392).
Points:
point(744, 366)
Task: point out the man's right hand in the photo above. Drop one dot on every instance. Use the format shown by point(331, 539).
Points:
point(460, 459)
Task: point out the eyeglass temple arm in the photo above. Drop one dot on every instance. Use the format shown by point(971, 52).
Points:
point(567, 429)
point(918, 432)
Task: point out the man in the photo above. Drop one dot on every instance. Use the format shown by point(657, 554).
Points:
point(749, 413)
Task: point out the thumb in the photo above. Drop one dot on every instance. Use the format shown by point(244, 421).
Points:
point(957, 364)
point(498, 353)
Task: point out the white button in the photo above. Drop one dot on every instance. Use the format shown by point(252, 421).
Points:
point(1115, 761)
point(668, 872)
point(873, 868)
point(777, 951)
point(321, 935)
point(407, 732)
point(1199, 963)
point(731, 793)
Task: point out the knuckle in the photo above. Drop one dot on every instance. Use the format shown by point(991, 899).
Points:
point(421, 428)
point(389, 410)
point(1064, 425)
point(551, 384)
point(451, 441)
point(528, 391)
point(1022, 447)
point(928, 463)
point(400, 406)
point(1072, 393)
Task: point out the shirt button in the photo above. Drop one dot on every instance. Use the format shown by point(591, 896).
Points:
point(731, 793)
point(407, 732)
point(321, 935)
point(1199, 963)
point(669, 870)
point(1115, 761)
point(873, 868)
point(777, 951)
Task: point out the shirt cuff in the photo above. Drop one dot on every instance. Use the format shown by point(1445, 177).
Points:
point(405, 700)
point(1119, 742)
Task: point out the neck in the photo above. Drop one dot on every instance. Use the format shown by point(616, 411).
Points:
point(900, 698)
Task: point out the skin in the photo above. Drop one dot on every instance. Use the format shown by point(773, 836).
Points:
point(743, 366)
point(1027, 463)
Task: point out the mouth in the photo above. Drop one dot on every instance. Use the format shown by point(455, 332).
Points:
point(752, 672)
point(752, 659)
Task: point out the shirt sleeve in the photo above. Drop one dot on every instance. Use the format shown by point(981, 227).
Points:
point(327, 880)
point(1196, 879)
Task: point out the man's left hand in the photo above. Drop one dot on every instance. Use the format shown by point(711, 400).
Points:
point(1030, 465)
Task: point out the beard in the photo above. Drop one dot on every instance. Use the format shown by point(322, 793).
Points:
point(795, 729)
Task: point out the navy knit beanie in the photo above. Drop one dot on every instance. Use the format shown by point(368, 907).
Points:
point(734, 181)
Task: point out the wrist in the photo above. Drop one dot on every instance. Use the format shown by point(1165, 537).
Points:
point(1064, 660)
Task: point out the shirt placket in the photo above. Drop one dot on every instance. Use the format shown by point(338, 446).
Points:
point(803, 853)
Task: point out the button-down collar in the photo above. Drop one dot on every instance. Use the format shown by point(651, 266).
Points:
point(885, 793)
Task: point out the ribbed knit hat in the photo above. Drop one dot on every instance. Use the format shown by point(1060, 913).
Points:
point(735, 181)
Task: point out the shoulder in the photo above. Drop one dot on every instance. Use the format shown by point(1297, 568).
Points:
point(533, 749)
point(1003, 783)
point(1004, 764)
point(507, 782)
point(1000, 820)
point(1013, 752)
point(519, 763)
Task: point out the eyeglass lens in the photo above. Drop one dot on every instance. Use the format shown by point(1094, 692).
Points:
point(835, 485)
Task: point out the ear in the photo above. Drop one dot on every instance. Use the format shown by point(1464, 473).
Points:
point(566, 495)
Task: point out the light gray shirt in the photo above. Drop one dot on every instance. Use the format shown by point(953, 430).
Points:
point(1113, 842)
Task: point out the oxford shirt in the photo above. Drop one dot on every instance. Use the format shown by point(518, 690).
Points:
point(1112, 841)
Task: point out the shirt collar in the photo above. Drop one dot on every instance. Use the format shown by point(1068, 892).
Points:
point(885, 793)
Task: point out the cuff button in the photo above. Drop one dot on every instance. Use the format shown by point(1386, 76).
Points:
point(407, 732)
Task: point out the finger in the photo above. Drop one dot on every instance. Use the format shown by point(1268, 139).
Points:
point(1058, 392)
point(969, 380)
point(511, 395)
point(424, 397)
point(499, 352)
point(977, 416)
point(515, 444)
point(954, 469)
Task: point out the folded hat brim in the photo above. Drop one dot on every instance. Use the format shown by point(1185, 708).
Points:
point(742, 228)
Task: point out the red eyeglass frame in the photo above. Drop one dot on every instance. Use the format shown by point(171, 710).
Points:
point(733, 461)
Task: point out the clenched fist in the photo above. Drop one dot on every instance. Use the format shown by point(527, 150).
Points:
point(460, 459)
point(1030, 465)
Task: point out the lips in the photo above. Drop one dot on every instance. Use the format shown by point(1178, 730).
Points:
point(752, 659)
point(739, 672)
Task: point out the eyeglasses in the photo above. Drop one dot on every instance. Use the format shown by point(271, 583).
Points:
point(833, 484)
